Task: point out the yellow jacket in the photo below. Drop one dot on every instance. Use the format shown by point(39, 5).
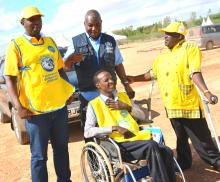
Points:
point(107, 117)
point(172, 70)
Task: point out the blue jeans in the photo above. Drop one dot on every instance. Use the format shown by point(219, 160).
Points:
point(42, 128)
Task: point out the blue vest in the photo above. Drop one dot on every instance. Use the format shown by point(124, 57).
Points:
point(90, 65)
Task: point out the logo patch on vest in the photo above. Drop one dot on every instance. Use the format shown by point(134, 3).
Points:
point(124, 113)
point(47, 63)
point(50, 48)
point(124, 124)
point(109, 47)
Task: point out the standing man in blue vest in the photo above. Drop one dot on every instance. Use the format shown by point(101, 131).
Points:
point(90, 52)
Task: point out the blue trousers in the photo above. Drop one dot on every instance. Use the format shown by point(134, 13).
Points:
point(42, 128)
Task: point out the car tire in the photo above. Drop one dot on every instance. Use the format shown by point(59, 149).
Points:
point(4, 118)
point(19, 128)
point(209, 45)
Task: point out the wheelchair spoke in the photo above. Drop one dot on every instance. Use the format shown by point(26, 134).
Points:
point(94, 166)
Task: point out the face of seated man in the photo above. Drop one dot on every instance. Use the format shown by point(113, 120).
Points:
point(105, 83)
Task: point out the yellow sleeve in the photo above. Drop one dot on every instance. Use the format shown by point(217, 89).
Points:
point(194, 58)
point(12, 60)
point(154, 68)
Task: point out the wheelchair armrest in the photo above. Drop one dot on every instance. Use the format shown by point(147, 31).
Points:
point(97, 139)
point(117, 148)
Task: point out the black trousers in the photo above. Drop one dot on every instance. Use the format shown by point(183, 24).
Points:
point(160, 158)
point(83, 106)
point(198, 132)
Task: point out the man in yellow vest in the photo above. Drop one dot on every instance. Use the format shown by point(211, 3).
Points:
point(175, 69)
point(111, 112)
point(39, 91)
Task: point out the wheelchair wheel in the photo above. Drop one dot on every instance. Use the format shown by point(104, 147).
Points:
point(95, 166)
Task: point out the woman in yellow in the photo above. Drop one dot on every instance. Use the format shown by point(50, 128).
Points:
point(175, 69)
point(39, 91)
point(110, 111)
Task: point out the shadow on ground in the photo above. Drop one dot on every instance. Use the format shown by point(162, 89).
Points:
point(145, 106)
point(200, 171)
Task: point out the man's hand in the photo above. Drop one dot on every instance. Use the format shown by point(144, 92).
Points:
point(125, 132)
point(73, 58)
point(24, 113)
point(129, 91)
point(117, 105)
point(213, 99)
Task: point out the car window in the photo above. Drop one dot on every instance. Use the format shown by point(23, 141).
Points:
point(210, 29)
point(217, 28)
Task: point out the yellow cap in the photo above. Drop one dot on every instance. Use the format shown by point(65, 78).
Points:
point(175, 27)
point(30, 11)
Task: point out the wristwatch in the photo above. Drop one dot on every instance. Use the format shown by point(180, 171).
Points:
point(125, 82)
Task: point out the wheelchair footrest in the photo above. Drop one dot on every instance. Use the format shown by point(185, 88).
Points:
point(138, 174)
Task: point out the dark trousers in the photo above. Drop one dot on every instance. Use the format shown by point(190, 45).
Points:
point(198, 132)
point(83, 106)
point(160, 158)
point(42, 128)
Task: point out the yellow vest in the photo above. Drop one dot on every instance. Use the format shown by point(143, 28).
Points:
point(107, 117)
point(40, 85)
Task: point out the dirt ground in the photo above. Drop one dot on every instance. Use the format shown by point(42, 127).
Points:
point(15, 158)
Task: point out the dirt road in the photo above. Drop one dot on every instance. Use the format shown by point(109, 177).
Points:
point(15, 158)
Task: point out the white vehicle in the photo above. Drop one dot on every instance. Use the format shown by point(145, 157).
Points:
point(206, 36)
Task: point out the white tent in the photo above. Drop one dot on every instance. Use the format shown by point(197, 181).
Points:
point(118, 38)
point(203, 22)
point(208, 21)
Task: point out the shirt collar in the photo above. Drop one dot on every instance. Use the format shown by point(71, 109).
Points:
point(176, 46)
point(104, 98)
point(179, 44)
point(93, 40)
point(33, 39)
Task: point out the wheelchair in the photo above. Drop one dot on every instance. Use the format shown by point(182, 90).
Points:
point(101, 161)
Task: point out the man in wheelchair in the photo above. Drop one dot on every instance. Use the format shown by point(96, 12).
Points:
point(109, 114)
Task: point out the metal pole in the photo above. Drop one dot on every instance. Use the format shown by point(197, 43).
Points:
point(205, 104)
point(149, 101)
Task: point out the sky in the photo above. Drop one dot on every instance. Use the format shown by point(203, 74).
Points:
point(64, 18)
